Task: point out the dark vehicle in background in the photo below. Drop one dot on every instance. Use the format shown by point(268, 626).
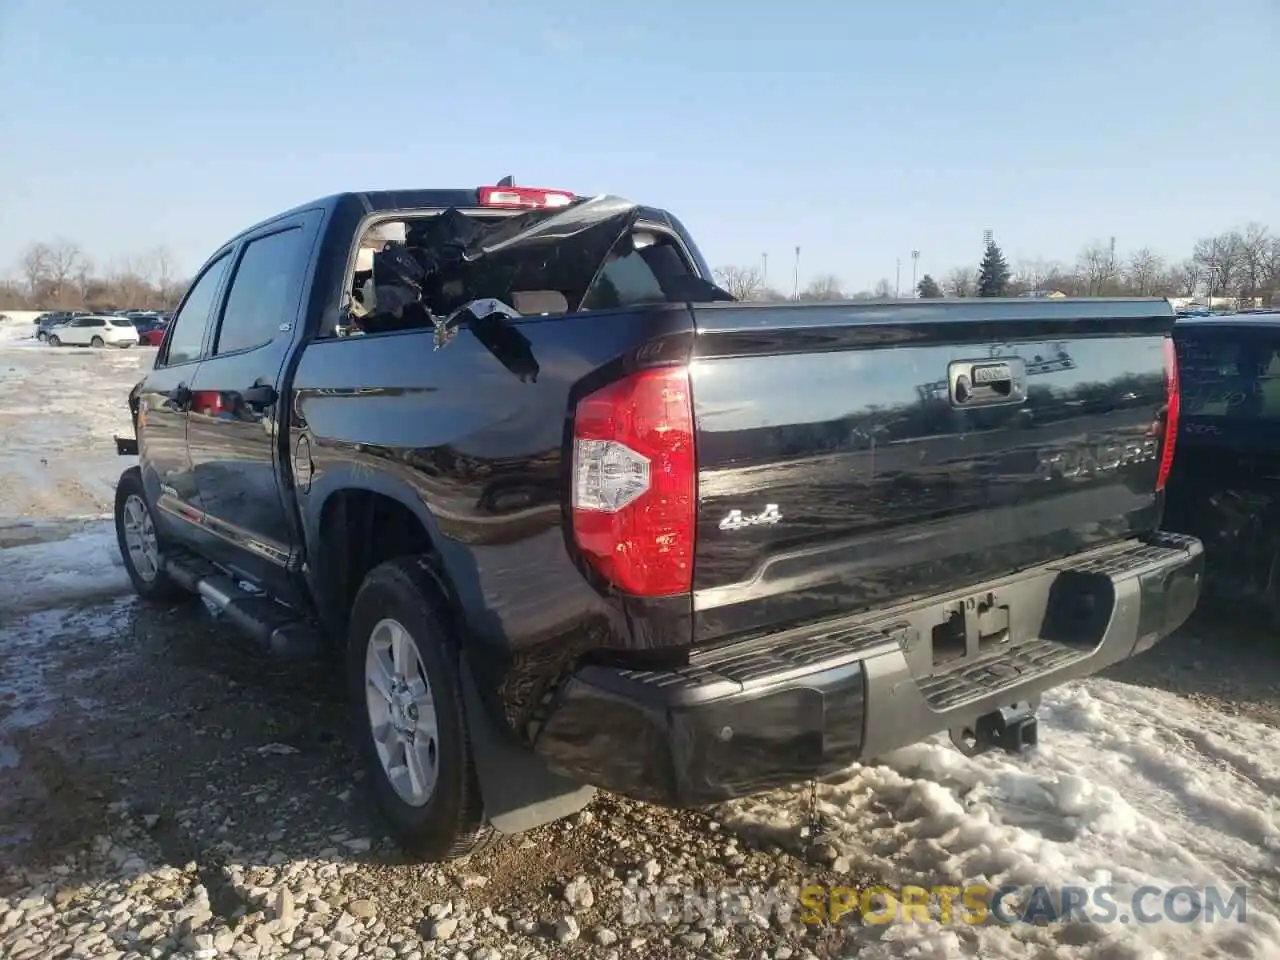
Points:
point(569, 516)
point(150, 327)
point(1225, 487)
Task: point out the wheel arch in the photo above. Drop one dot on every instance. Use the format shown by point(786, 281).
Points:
point(355, 519)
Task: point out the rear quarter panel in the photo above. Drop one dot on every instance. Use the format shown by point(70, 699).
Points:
point(477, 452)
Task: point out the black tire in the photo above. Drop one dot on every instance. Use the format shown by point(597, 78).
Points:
point(97, 342)
point(54, 341)
point(160, 587)
point(451, 824)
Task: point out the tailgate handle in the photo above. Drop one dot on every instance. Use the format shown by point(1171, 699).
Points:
point(992, 381)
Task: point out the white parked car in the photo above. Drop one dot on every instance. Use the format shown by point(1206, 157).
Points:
point(94, 332)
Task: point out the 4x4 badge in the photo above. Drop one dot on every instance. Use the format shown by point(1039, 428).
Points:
point(736, 520)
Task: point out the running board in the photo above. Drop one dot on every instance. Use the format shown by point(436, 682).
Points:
point(273, 626)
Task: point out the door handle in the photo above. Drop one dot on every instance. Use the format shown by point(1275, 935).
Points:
point(261, 395)
point(993, 381)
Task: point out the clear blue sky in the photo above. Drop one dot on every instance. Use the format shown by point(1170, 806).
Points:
point(856, 130)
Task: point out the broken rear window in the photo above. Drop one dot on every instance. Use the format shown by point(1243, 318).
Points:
point(419, 272)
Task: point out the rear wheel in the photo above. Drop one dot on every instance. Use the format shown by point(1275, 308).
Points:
point(97, 342)
point(406, 699)
point(139, 541)
point(54, 341)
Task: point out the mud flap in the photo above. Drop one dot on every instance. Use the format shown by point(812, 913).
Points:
point(126, 447)
point(518, 790)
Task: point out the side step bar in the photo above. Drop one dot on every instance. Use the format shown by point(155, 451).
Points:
point(272, 625)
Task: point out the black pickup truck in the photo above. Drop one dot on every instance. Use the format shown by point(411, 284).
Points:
point(574, 518)
point(1225, 488)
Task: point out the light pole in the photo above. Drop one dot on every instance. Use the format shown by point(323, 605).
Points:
point(915, 269)
point(795, 290)
point(897, 278)
point(764, 270)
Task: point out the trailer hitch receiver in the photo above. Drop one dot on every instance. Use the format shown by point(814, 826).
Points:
point(1012, 729)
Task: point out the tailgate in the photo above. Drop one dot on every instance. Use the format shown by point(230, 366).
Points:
point(850, 456)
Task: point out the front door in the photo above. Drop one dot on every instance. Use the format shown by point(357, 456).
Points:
point(232, 430)
point(77, 332)
point(163, 403)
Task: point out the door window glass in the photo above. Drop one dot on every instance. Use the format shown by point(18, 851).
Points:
point(263, 292)
point(187, 336)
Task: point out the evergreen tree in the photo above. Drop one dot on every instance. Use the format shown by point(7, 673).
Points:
point(993, 273)
point(928, 288)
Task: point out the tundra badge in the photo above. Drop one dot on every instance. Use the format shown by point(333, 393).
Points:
point(736, 521)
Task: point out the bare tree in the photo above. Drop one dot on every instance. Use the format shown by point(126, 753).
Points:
point(825, 287)
point(1255, 256)
point(1062, 279)
point(1219, 259)
point(53, 272)
point(883, 289)
point(1272, 269)
point(1097, 267)
point(66, 262)
point(1145, 272)
point(1029, 275)
point(960, 282)
point(1184, 278)
point(128, 284)
point(743, 283)
point(162, 267)
point(36, 266)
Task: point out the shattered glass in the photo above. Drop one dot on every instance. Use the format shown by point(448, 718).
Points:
point(457, 269)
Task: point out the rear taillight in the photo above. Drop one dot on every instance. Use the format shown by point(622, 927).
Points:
point(529, 198)
point(635, 482)
point(1173, 404)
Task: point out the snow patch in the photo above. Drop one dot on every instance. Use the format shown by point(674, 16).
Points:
point(73, 562)
point(1130, 787)
point(17, 332)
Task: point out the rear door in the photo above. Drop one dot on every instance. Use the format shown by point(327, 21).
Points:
point(232, 433)
point(90, 329)
point(165, 398)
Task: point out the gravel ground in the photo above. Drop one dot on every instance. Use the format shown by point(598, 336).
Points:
point(167, 790)
point(228, 816)
point(1226, 663)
